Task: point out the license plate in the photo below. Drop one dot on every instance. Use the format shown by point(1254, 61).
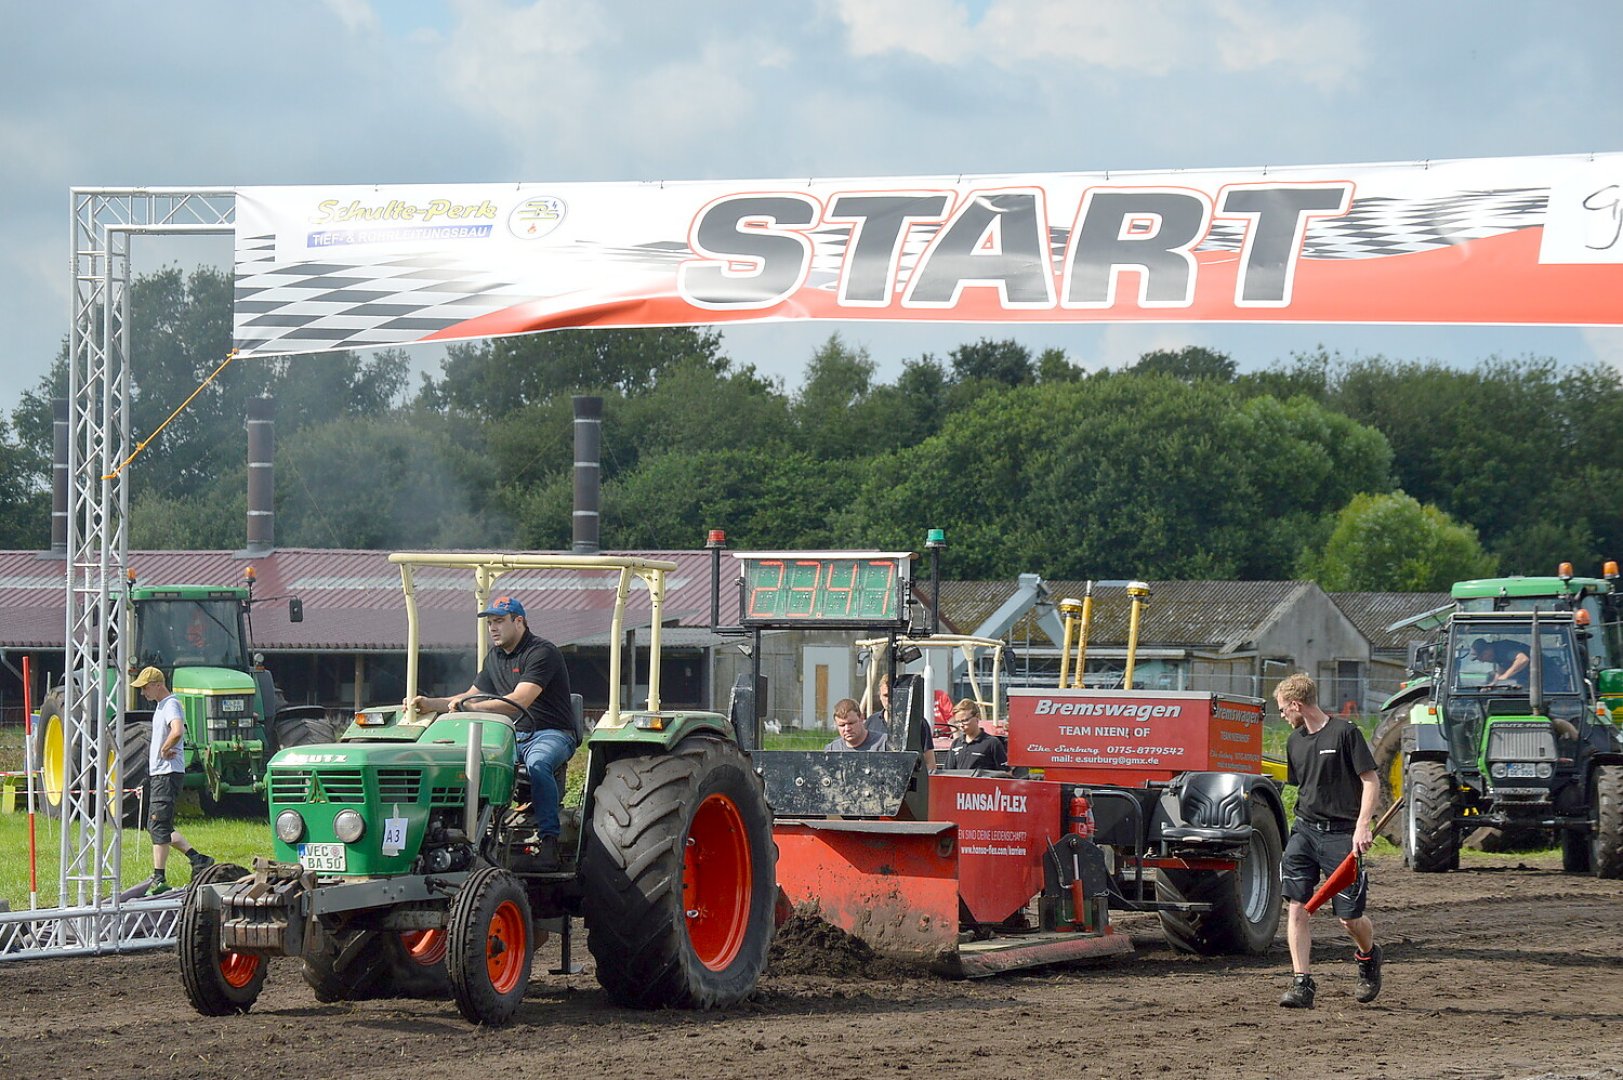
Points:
point(232, 704)
point(1521, 770)
point(322, 857)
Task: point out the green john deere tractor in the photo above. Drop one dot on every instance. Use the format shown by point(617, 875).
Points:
point(199, 636)
point(1510, 733)
point(402, 864)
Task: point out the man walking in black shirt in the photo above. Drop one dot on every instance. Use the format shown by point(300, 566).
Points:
point(529, 671)
point(1337, 787)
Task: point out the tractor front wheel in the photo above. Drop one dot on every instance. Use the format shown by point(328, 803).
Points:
point(1245, 902)
point(679, 877)
point(217, 983)
point(490, 945)
point(1606, 832)
point(1387, 746)
point(1431, 843)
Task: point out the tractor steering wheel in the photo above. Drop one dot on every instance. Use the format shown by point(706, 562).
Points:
point(457, 706)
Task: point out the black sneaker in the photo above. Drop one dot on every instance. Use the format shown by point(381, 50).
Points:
point(157, 886)
point(1369, 975)
point(200, 862)
point(1300, 995)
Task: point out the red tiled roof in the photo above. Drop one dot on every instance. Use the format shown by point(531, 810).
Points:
point(353, 600)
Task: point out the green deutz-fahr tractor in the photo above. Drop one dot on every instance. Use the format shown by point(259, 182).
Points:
point(1471, 743)
point(198, 635)
point(402, 864)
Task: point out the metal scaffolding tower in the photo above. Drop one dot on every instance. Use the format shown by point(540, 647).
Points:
point(90, 918)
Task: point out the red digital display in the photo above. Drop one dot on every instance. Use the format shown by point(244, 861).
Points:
point(793, 589)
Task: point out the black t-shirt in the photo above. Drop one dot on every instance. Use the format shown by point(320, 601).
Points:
point(533, 660)
point(985, 751)
point(1325, 767)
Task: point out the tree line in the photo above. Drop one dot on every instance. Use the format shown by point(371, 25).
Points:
point(1372, 473)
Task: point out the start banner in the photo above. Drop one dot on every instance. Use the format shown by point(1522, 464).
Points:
point(1532, 240)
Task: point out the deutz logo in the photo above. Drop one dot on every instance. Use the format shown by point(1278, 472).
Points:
point(995, 800)
point(316, 792)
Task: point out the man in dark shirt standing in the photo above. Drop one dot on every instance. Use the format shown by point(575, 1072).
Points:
point(1337, 787)
point(974, 747)
point(529, 671)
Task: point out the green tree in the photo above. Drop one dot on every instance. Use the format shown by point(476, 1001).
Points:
point(1394, 543)
point(25, 504)
point(829, 409)
point(1118, 475)
point(1189, 363)
point(494, 378)
point(1005, 362)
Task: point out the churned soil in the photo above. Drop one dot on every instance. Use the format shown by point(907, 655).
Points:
point(1500, 970)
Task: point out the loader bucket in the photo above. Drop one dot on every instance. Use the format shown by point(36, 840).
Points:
point(890, 884)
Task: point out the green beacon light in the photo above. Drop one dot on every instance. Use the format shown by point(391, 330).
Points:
point(935, 538)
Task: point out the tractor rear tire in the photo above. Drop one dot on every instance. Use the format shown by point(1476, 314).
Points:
point(1606, 833)
point(416, 963)
point(50, 755)
point(302, 725)
point(1244, 916)
point(491, 943)
point(1432, 843)
point(217, 983)
point(347, 967)
point(127, 779)
point(679, 877)
point(1387, 746)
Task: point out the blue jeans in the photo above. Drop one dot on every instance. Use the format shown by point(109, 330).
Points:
point(542, 752)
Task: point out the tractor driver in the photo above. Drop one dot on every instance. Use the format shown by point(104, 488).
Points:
point(1509, 659)
point(854, 732)
point(529, 671)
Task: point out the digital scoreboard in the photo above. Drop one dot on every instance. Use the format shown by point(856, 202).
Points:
point(826, 588)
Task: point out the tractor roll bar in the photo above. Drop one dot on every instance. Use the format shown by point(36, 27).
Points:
point(488, 567)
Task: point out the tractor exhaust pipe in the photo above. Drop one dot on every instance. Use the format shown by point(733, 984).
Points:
point(475, 763)
point(588, 473)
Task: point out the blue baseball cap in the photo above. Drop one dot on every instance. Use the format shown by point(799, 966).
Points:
point(503, 605)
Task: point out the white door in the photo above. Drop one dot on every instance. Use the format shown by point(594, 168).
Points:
point(826, 679)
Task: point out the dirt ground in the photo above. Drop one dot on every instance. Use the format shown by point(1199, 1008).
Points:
point(1510, 970)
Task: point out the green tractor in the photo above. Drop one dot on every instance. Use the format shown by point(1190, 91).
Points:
point(199, 635)
point(402, 865)
point(1505, 730)
point(1598, 613)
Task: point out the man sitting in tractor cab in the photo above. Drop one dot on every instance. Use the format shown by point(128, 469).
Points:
point(1509, 659)
point(854, 732)
point(528, 671)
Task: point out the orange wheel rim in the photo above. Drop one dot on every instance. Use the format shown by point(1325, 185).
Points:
point(718, 880)
point(238, 969)
point(505, 942)
point(425, 947)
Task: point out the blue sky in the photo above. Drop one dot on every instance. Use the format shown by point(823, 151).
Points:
point(100, 93)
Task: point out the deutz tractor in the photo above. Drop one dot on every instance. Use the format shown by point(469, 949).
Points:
point(1511, 734)
point(199, 636)
point(1599, 627)
point(402, 863)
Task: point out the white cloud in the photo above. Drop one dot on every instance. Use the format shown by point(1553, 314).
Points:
point(1148, 37)
point(354, 14)
point(1606, 343)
